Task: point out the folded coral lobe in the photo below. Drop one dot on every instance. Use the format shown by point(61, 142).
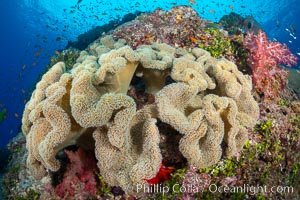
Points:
point(205, 101)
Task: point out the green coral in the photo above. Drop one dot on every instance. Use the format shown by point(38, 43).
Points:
point(103, 189)
point(282, 102)
point(2, 115)
point(68, 56)
point(294, 174)
point(226, 167)
point(219, 45)
point(31, 195)
point(176, 178)
point(229, 168)
point(15, 168)
point(264, 127)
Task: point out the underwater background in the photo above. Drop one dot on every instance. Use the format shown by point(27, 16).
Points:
point(34, 30)
point(35, 33)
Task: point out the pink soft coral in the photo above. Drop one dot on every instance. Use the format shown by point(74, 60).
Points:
point(264, 59)
point(79, 180)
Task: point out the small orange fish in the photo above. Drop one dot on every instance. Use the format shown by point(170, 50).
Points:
point(258, 137)
point(57, 52)
point(178, 17)
point(203, 37)
point(192, 1)
point(231, 7)
point(148, 36)
point(16, 115)
point(193, 39)
point(212, 11)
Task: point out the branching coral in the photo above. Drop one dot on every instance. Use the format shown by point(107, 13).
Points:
point(206, 100)
point(264, 59)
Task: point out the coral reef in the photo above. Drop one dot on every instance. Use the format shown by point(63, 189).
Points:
point(181, 27)
point(79, 176)
point(217, 44)
point(68, 56)
point(235, 23)
point(83, 40)
point(175, 27)
point(196, 182)
point(162, 175)
point(135, 161)
point(146, 106)
point(208, 101)
point(264, 59)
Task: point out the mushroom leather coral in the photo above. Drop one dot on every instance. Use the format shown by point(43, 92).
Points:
point(208, 101)
point(137, 160)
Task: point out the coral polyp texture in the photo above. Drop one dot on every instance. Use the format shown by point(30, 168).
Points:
point(206, 100)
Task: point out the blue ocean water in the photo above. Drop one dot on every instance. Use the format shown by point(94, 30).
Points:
point(32, 30)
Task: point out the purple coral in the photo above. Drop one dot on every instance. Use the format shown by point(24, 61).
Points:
point(194, 182)
point(175, 27)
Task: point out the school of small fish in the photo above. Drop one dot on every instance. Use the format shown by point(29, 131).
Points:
point(97, 13)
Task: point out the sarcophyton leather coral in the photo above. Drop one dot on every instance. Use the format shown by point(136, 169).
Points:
point(206, 100)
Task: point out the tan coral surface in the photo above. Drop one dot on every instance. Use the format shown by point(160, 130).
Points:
point(208, 102)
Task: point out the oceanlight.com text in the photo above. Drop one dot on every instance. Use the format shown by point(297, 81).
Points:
point(213, 188)
point(250, 189)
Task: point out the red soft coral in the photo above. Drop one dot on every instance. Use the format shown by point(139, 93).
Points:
point(79, 177)
point(264, 59)
point(163, 174)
